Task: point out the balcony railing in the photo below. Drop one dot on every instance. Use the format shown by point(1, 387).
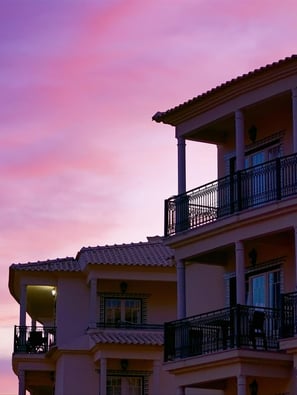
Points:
point(33, 340)
point(130, 325)
point(289, 315)
point(235, 327)
point(257, 185)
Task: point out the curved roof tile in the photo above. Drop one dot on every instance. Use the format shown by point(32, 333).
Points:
point(151, 253)
point(169, 115)
point(128, 337)
point(51, 265)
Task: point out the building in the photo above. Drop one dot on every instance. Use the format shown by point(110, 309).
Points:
point(93, 324)
point(235, 239)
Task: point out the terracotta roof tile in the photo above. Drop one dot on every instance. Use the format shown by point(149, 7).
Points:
point(51, 265)
point(128, 337)
point(151, 253)
point(168, 116)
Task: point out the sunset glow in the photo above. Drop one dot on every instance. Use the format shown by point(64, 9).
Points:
point(82, 163)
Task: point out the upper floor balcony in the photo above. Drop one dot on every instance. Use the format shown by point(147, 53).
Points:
point(251, 187)
point(34, 340)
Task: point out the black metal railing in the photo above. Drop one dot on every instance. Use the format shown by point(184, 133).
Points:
point(289, 314)
point(257, 185)
point(130, 325)
point(233, 327)
point(33, 340)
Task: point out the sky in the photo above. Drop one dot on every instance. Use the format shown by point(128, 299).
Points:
point(81, 161)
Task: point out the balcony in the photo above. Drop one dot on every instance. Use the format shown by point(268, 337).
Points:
point(252, 187)
point(289, 315)
point(234, 327)
point(33, 340)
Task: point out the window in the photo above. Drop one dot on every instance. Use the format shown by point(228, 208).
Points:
point(265, 289)
point(124, 310)
point(125, 385)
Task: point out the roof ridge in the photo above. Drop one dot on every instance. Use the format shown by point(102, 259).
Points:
point(161, 115)
point(151, 240)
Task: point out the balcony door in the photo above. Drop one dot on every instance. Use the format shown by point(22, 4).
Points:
point(265, 289)
point(259, 179)
point(125, 385)
point(123, 310)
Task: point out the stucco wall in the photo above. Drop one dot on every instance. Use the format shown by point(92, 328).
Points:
point(76, 375)
point(72, 310)
point(205, 289)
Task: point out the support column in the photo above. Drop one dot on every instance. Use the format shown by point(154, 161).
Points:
point(103, 376)
point(180, 391)
point(181, 162)
point(295, 240)
point(156, 378)
point(33, 325)
point(23, 305)
point(241, 385)
point(239, 139)
point(181, 289)
point(22, 388)
point(240, 280)
point(294, 116)
point(93, 303)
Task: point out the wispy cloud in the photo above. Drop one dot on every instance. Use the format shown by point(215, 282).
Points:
point(81, 162)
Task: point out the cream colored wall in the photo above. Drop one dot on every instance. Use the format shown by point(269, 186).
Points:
point(267, 123)
point(72, 309)
point(161, 300)
point(76, 375)
point(205, 288)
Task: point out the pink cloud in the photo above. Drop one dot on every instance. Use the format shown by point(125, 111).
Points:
point(81, 161)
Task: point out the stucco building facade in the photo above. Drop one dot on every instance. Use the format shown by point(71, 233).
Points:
point(235, 238)
point(93, 324)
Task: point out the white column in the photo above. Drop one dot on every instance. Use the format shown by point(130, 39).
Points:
point(181, 163)
point(295, 240)
point(294, 116)
point(180, 391)
point(241, 385)
point(103, 376)
point(23, 305)
point(293, 381)
point(156, 378)
point(93, 303)
point(240, 280)
point(22, 388)
point(239, 139)
point(181, 289)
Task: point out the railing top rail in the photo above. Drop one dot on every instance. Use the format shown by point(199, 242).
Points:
point(221, 312)
point(220, 180)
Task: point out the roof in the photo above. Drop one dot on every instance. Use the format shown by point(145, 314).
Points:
point(151, 253)
point(128, 337)
point(230, 89)
point(68, 264)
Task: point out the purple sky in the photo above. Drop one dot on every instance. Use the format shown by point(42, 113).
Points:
point(81, 162)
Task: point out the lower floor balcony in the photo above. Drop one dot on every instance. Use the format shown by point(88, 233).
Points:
point(238, 327)
point(34, 340)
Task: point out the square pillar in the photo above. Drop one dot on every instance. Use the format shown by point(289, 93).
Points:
point(240, 280)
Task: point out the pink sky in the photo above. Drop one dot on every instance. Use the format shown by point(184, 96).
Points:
point(81, 162)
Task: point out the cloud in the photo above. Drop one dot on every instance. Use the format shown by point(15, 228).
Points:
point(81, 162)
